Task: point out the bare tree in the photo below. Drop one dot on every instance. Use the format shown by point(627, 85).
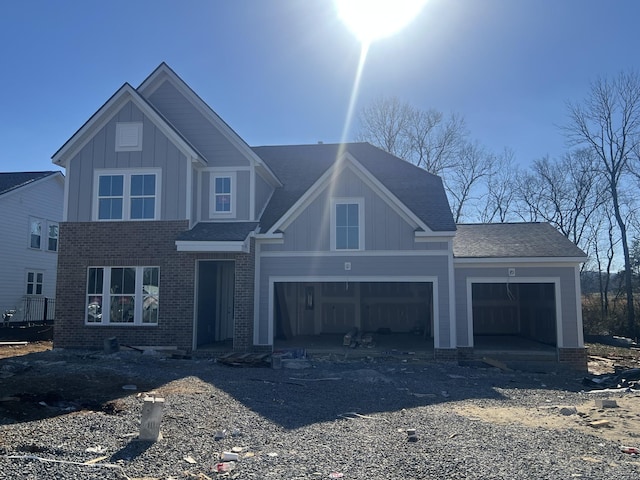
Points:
point(462, 183)
point(501, 187)
point(425, 138)
point(384, 123)
point(434, 142)
point(564, 192)
point(608, 123)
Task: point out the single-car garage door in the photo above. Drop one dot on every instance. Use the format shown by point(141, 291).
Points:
point(526, 310)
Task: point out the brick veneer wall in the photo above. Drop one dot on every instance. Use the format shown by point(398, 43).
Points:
point(574, 358)
point(85, 244)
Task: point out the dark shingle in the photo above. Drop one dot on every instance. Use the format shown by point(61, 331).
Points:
point(12, 180)
point(299, 166)
point(504, 240)
point(219, 232)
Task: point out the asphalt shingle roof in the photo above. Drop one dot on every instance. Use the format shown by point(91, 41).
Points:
point(12, 180)
point(504, 240)
point(219, 232)
point(299, 166)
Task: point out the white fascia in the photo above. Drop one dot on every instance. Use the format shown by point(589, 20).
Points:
point(208, 247)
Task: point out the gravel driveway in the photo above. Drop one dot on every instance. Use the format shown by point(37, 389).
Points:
point(332, 419)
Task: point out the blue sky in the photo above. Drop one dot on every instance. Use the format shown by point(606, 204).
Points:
point(282, 71)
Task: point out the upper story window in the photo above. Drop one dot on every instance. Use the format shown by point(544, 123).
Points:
point(35, 233)
point(347, 224)
point(223, 194)
point(127, 195)
point(52, 244)
point(128, 137)
point(37, 229)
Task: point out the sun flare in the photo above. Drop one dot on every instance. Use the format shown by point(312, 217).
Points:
point(370, 20)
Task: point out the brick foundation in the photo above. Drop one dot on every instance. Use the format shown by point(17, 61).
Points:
point(85, 244)
point(574, 358)
point(446, 354)
point(466, 354)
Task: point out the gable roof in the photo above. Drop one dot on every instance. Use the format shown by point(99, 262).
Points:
point(165, 73)
point(10, 181)
point(107, 111)
point(299, 166)
point(513, 240)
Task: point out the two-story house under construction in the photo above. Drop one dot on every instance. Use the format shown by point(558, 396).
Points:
point(178, 233)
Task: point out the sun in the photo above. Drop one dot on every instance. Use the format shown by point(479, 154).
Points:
point(371, 20)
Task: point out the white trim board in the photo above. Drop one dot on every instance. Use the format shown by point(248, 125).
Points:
point(507, 280)
point(352, 279)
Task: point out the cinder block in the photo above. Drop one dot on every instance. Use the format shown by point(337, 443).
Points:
point(606, 403)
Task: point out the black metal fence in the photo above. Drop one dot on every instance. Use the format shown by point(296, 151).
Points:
point(33, 309)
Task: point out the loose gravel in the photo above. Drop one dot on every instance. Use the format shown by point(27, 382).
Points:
point(333, 419)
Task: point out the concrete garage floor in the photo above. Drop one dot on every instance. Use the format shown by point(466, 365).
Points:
point(404, 345)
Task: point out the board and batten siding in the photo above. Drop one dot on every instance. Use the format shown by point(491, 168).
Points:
point(100, 153)
point(263, 192)
point(43, 200)
point(384, 228)
point(331, 268)
point(196, 128)
point(241, 196)
point(566, 275)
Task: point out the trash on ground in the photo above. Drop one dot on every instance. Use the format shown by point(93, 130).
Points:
point(628, 378)
point(630, 450)
point(96, 449)
point(189, 459)
point(354, 416)
point(496, 363)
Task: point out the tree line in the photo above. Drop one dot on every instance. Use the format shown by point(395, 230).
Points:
point(589, 192)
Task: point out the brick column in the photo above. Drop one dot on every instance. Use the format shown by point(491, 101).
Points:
point(243, 301)
point(574, 358)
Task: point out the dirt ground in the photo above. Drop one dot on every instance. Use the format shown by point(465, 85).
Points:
point(97, 391)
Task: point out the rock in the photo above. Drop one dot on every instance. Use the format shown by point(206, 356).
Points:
point(568, 411)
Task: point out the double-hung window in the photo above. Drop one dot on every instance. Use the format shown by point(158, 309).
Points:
point(223, 194)
point(123, 295)
point(347, 224)
point(52, 244)
point(35, 233)
point(43, 234)
point(127, 195)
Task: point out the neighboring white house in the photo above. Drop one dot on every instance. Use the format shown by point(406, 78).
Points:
point(31, 206)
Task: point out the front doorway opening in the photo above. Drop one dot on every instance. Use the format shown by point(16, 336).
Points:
point(215, 292)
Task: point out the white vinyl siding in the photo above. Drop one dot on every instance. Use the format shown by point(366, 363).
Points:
point(35, 282)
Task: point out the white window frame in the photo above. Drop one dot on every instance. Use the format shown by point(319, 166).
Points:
point(35, 283)
point(347, 201)
point(128, 136)
point(126, 194)
point(107, 296)
point(213, 213)
point(49, 237)
point(41, 223)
